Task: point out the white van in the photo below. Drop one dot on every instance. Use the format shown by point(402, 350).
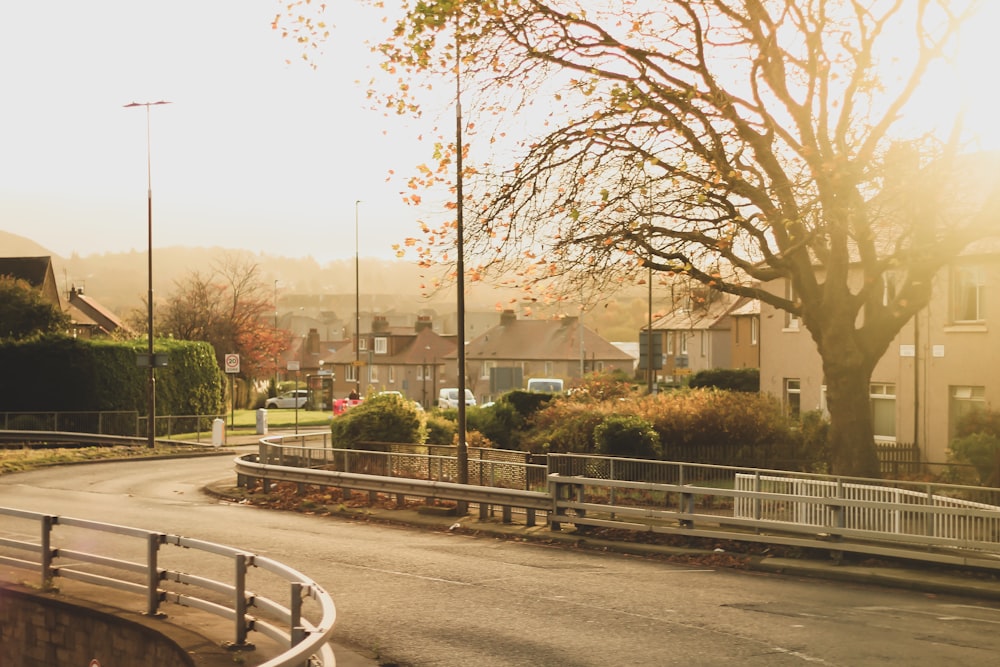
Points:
point(448, 398)
point(546, 385)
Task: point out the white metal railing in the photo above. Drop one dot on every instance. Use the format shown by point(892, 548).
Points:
point(883, 509)
point(53, 556)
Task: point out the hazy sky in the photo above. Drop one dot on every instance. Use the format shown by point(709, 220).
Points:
point(252, 153)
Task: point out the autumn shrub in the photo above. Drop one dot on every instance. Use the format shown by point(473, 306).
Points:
point(597, 387)
point(380, 418)
point(627, 436)
point(980, 450)
point(733, 379)
point(526, 403)
point(501, 423)
point(440, 430)
point(722, 427)
point(566, 426)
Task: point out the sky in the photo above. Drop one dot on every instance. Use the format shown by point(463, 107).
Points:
point(252, 152)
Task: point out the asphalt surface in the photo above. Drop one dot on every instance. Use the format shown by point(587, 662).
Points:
point(188, 627)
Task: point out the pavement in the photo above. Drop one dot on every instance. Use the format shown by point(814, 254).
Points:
point(912, 575)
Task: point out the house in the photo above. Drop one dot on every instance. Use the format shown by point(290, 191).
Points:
point(37, 272)
point(410, 360)
point(938, 367)
point(745, 335)
point(90, 318)
point(699, 334)
point(506, 355)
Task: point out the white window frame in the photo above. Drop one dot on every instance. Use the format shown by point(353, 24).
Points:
point(372, 373)
point(704, 343)
point(350, 373)
point(669, 351)
point(793, 387)
point(391, 372)
point(791, 319)
point(968, 284)
point(362, 344)
point(754, 330)
point(882, 393)
point(484, 371)
point(684, 343)
point(381, 345)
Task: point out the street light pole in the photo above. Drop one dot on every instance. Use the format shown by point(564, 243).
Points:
point(151, 384)
point(275, 337)
point(357, 305)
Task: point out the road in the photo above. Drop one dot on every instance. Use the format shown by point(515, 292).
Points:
point(436, 598)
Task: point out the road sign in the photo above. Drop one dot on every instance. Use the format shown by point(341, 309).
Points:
point(232, 363)
point(358, 363)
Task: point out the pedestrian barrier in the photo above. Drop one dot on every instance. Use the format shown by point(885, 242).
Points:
point(60, 554)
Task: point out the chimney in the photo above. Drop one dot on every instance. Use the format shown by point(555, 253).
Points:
point(312, 342)
point(379, 324)
point(507, 317)
point(423, 322)
point(569, 320)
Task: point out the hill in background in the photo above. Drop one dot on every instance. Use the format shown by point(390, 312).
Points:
point(119, 281)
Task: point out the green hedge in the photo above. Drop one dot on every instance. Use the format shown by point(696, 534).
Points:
point(57, 373)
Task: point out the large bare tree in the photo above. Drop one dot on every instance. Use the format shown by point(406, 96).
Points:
point(229, 308)
point(751, 145)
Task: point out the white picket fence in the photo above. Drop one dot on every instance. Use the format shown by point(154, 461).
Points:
point(879, 509)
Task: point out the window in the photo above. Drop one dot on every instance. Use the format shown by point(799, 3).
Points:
point(372, 373)
point(964, 400)
point(967, 294)
point(549, 369)
point(704, 343)
point(684, 343)
point(888, 287)
point(670, 344)
point(791, 319)
point(793, 397)
point(351, 373)
point(485, 371)
point(754, 329)
point(363, 344)
point(883, 400)
point(381, 345)
point(392, 374)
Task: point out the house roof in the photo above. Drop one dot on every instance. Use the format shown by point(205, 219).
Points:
point(751, 307)
point(542, 340)
point(95, 312)
point(31, 269)
point(702, 316)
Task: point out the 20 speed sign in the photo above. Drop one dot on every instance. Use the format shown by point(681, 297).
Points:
point(232, 363)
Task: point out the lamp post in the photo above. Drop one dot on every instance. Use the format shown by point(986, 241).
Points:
point(275, 337)
point(151, 384)
point(357, 305)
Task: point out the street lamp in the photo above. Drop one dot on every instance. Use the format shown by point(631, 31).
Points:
point(275, 338)
point(357, 305)
point(151, 386)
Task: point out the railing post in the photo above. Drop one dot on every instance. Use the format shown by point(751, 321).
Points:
point(152, 573)
point(46, 539)
point(241, 561)
point(296, 631)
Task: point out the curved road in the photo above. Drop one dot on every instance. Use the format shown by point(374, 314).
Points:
point(425, 598)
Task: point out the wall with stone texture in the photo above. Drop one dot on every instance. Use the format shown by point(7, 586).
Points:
point(43, 631)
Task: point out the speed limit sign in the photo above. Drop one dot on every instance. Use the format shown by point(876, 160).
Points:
point(232, 363)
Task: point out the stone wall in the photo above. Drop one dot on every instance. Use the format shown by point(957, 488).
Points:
point(41, 630)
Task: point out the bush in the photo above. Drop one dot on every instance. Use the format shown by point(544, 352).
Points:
point(566, 426)
point(380, 418)
point(982, 452)
point(628, 436)
point(440, 429)
point(732, 379)
point(501, 423)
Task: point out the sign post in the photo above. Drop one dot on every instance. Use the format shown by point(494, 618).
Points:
point(294, 366)
point(232, 368)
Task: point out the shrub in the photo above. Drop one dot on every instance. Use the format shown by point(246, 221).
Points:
point(732, 379)
point(380, 418)
point(628, 436)
point(501, 423)
point(565, 426)
point(981, 451)
point(440, 430)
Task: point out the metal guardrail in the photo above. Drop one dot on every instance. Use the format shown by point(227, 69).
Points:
point(675, 497)
point(307, 641)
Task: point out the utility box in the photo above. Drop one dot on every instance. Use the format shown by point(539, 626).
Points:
point(261, 421)
point(218, 432)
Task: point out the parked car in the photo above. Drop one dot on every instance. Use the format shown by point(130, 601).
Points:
point(448, 398)
point(290, 399)
point(545, 385)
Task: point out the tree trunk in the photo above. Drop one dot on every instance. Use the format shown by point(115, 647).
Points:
point(852, 440)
